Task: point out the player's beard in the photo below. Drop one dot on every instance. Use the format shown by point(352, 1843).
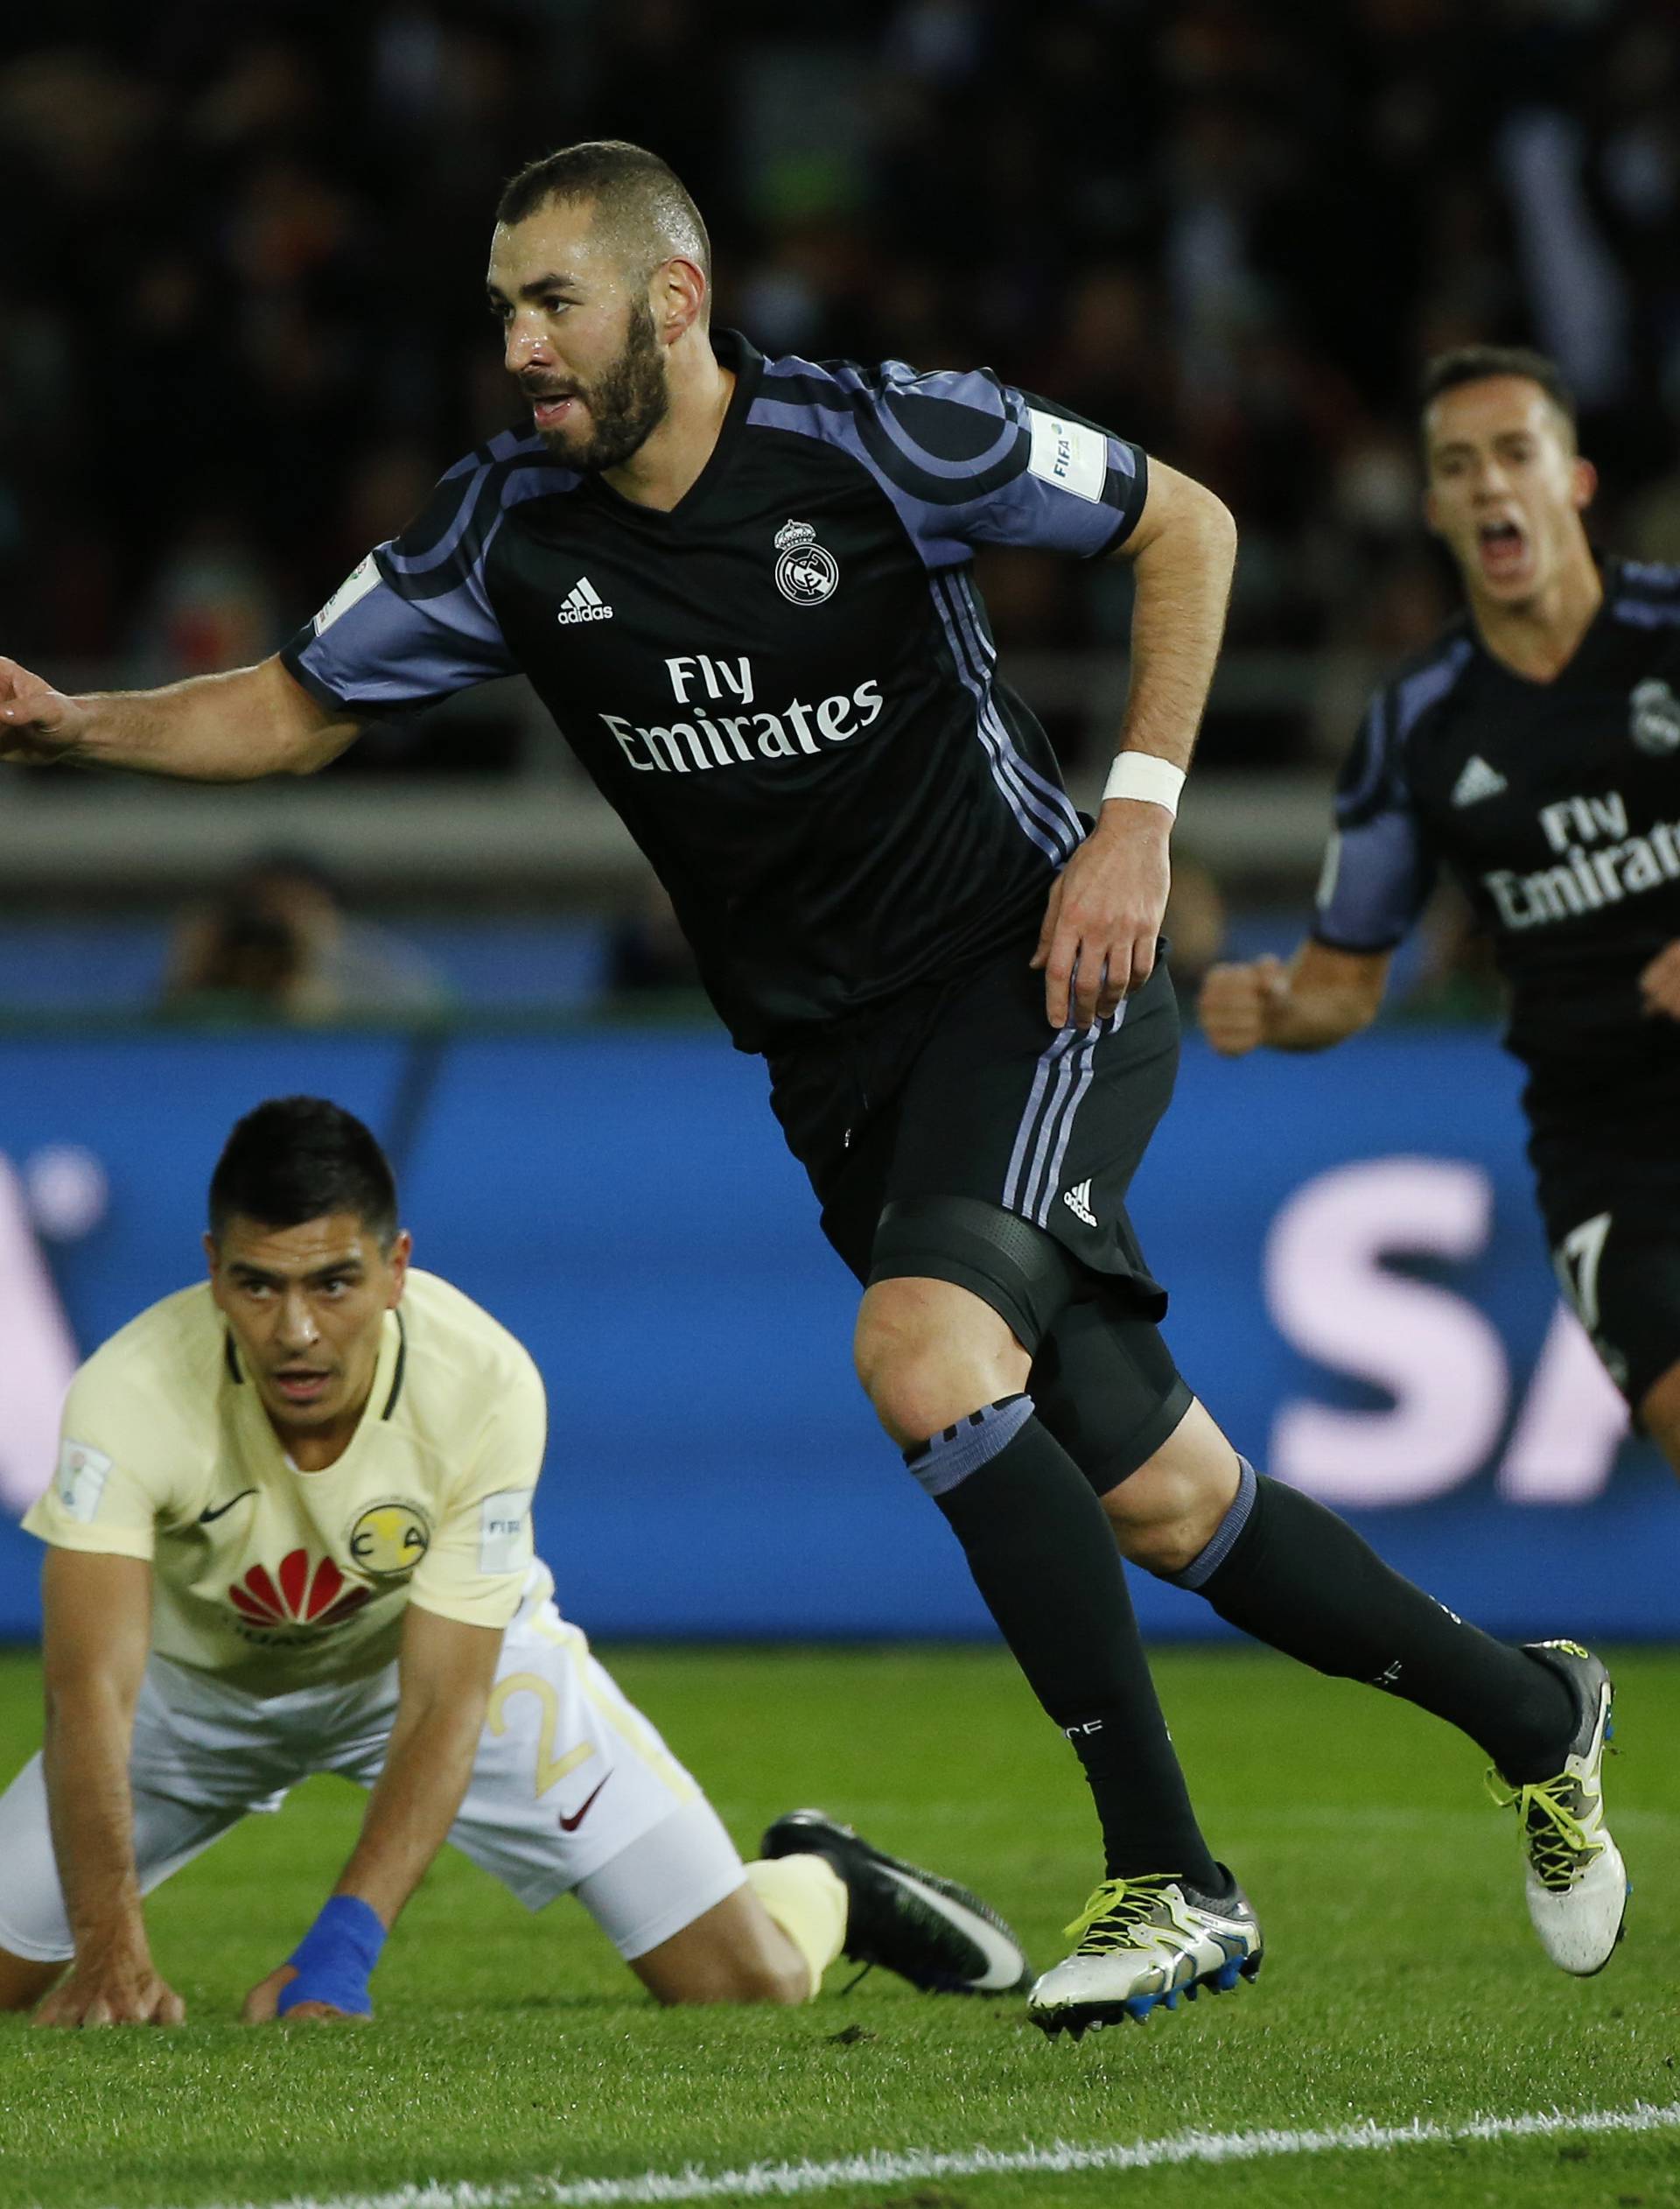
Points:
point(627, 404)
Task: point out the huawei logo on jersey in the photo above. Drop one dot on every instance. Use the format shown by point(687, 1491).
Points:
point(321, 1598)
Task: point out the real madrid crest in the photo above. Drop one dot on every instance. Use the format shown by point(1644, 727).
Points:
point(1654, 721)
point(806, 573)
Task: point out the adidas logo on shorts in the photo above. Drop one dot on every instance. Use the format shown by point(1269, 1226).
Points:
point(583, 603)
point(1078, 1201)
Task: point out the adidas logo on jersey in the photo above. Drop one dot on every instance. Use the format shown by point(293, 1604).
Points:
point(1078, 1201)
point(583, 603)
point(1478, 780)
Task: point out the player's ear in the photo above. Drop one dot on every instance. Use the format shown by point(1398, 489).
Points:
point(401, 1252)
point(1582, 484)
point(1432, 512)
point(213, 1254)
point(679, 298)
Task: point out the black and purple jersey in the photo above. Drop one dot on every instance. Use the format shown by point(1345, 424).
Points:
point(786, 686)
point(1556, 806)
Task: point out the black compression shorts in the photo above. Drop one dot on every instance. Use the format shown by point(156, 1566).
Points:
point(968, 1092)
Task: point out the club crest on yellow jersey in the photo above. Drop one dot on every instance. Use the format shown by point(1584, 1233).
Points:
point(388, 1540)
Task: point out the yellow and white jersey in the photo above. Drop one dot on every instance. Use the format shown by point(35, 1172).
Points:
point(273, 1579)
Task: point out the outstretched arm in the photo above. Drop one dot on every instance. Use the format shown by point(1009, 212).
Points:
point(213, 728)
point(446, 1670)
point(1097, 944)
point(98, 1631)
point(1322, 997)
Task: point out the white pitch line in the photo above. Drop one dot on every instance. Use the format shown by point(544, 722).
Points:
point(779, 2181)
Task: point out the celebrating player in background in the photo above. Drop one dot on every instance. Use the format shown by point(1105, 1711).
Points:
point(291, 1532)
point(1534, 749)
point(743, 587)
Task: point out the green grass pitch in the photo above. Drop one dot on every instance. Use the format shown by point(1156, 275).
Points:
point(515, 2055)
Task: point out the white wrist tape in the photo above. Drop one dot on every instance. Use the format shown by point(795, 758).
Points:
point(1141, 775)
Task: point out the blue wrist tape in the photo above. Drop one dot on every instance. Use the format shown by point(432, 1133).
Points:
point(335, 1958)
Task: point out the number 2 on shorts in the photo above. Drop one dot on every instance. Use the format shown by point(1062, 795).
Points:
point(1577, 1259)
point(549, 1768)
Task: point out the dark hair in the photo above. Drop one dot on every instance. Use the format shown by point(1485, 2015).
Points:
point(298, 1158)
point(281, 859)
point(249, 953)
point(1475, 363)
point(637, 197)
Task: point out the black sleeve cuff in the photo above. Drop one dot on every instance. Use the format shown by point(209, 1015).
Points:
point(1316, 935)
point(1137, 486)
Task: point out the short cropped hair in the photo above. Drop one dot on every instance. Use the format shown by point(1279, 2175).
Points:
point(1476, 363)
point(637, 198)
point(299, 1158)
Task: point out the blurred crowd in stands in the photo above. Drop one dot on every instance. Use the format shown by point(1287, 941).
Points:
point(242, 319)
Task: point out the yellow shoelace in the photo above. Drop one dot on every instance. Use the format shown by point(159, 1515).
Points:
point(1557, 1839)
point(1121, 1903)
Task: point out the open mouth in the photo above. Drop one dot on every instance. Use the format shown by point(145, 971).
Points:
point(1502, 546)
point(550, 408)
point(301, 1387)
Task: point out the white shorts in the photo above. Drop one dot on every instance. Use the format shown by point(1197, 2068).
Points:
point(571, 1789)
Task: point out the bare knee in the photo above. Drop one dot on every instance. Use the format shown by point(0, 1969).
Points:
point(782, 1980)
point(1165, 1513)
point(733, 1952)
point(22, 1983)
point(740, 1979)
point(929, 1353)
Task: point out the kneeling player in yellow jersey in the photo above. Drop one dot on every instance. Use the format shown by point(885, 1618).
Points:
point(290, 1532)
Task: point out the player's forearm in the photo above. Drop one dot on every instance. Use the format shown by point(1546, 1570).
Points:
point(414, 1802)
point(1307, 1020)
point(85, 1756)
point(235, 728)
point(1183, 586)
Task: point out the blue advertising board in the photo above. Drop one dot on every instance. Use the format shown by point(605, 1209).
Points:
point(1360, 1294)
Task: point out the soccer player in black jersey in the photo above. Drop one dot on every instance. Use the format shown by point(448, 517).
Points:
point(1534, 751)
point(742, 586)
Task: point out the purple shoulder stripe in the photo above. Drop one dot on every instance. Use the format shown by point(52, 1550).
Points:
point(964, 458)
point(415, 623)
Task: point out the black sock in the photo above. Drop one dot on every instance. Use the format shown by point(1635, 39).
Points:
point(1291, 1573)
point(1042, 1554)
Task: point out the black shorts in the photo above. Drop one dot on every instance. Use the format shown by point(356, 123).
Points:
point(966, 1090)
point(1611, 1204)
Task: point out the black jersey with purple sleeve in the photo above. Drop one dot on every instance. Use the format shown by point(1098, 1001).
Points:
point(1556, 805)
point(786, 686)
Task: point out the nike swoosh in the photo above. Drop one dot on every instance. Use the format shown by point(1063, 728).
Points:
point(571, 1824)
point(1004, 1962)
point(206, 1515)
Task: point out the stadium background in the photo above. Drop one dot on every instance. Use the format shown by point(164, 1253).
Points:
point(241, 330)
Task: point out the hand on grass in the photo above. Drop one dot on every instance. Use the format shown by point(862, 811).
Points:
point(116, 1988)
point(261, 2004)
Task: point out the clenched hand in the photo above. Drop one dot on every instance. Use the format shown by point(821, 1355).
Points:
point(37, 722)
point(1660, 984)
point(1235, 1001)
